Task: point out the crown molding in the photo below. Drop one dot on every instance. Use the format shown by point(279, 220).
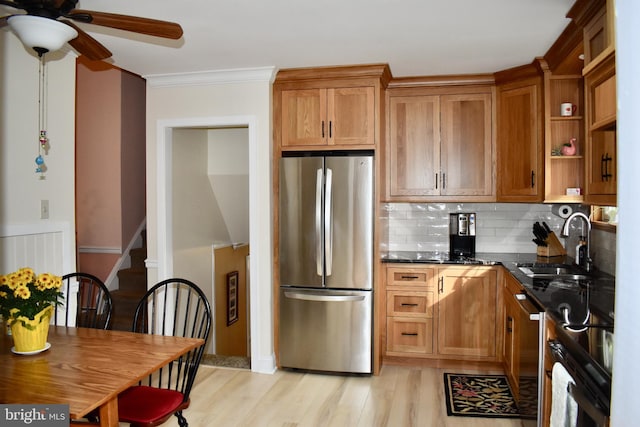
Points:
point(217, 77)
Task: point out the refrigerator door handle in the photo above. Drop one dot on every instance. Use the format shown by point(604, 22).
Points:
point(319, 222)
point(325, 298)
point(328, 223)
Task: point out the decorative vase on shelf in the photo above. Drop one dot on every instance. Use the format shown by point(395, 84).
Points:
point(32, 336)
point(569, 148)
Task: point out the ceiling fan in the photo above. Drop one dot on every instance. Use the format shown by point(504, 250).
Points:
point(61, 14)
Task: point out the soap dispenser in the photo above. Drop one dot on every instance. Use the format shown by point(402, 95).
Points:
point(581, 251)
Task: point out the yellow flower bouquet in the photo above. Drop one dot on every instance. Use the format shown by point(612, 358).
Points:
point(23, 295)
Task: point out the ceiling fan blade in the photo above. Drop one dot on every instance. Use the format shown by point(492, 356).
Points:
point(151, 27)
point(87, 45)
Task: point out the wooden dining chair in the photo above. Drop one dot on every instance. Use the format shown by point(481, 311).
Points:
point(175, 307)
point(94, 305)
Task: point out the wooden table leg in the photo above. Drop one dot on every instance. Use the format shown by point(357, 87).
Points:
point(109, 413)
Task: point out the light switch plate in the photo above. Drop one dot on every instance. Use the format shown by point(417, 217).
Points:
point(44, 209)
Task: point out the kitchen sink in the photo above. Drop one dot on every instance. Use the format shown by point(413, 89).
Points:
point(559, 271)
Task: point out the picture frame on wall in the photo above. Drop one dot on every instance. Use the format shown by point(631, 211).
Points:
point(232, 298)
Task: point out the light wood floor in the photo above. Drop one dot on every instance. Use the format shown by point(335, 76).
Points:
point(398, 397)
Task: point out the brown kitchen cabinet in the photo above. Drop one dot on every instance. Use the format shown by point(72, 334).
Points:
point(328, 108)
point(596, 18)
point(336, 116)
point(511, 349)
point(520, 161)
point(467, 307)
point(563, 171)
point(601, 150)
point(441, 313)
point(410, 310)
point(440, 144)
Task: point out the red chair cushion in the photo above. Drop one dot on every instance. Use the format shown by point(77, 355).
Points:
point(147, 405)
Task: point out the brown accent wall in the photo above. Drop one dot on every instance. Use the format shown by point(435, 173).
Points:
point(231, 340)
point(109, 156)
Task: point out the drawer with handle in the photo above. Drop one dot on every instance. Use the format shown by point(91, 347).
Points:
point(408, 335)
point(410, 304)
point(409, 277)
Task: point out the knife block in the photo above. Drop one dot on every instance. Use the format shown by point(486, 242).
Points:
point(553, 248)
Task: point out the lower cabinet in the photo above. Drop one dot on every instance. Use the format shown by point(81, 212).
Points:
point(511, 349)
point(444, 313)
point(467, 304)
point(410, 310)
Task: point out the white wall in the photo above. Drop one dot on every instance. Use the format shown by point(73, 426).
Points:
point(626, 371)
point(229, 177)
point(228, 99)
point(21, 189)
point(192, 204)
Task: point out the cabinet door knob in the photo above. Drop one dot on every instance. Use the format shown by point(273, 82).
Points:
point(323, 128)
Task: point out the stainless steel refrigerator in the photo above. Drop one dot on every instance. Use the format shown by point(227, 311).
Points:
point(326, 261)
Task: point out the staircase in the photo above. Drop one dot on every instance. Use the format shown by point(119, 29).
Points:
point(133, 285)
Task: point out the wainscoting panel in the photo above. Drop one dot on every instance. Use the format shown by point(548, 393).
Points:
point(43, 247)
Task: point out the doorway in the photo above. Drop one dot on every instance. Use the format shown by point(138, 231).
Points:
point(175, 223)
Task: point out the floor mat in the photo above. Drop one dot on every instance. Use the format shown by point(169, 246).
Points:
point(226, 361)
point(471, 395)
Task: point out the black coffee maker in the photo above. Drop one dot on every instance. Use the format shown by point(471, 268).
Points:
point(462, 235)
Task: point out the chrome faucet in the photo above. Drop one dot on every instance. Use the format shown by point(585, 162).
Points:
point(565, 233)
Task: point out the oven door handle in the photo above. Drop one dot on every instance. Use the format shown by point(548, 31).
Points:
point(527, 306)
point(583, 402)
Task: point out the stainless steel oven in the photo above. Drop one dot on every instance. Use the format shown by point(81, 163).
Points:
point(583, 313)
point(531, 324)
point(589, 388)
point(584, 347)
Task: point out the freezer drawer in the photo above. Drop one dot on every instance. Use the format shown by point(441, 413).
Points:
point(325, 330)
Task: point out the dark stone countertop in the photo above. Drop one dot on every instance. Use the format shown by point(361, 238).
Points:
point(546, 297)
point(483, 258)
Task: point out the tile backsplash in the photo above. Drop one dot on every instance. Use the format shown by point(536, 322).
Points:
point(500, 227)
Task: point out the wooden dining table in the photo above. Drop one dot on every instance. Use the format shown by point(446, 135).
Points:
point(85, 368)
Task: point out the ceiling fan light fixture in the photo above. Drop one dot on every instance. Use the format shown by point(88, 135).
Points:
point(41, 34)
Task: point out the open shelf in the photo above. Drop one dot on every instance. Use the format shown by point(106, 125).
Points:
point(563, 172)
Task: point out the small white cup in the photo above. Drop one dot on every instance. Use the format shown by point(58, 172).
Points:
point(567, 109)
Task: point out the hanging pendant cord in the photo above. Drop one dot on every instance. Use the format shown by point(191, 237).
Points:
point(43, 142)
point(41, 99)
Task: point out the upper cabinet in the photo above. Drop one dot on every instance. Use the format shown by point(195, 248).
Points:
point(595, 17)
point(564, 138)
point(414, 146)
point(329, 107)
point(564, 112)
point(336, 116)
point(601, 158)
point(440, 144)
point(520, 166)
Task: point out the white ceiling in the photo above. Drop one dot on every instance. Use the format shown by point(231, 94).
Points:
point(415, 37)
